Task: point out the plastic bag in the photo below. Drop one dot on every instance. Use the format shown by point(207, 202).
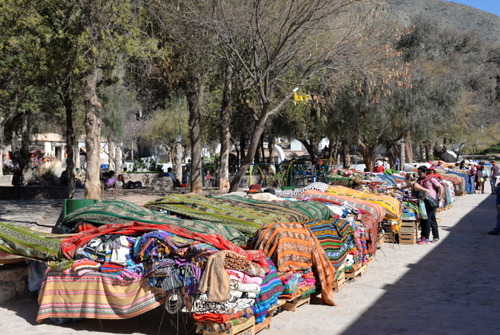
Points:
point(421, 209)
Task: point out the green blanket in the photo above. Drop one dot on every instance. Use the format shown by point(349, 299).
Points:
point(121, 211)
point(22, 241)
point(246, 215)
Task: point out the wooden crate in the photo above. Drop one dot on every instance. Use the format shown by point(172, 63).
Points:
point(264, 324)
point(293, 304)
point(408, 238)
point(356, 270)
point(247, 328)
point(339, 282)
point(390, 237)
point(409, 224)
point(275, 309)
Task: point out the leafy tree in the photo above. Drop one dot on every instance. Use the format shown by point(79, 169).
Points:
point(110, 31)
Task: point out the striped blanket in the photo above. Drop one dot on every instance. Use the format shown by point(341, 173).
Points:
point(391, 205)
point(245, 215)
point(376, 210)
point(336, 238)
point(123, 212)
point(293, 247)
point(22, 241)
point(270, 289)
point(95, 295)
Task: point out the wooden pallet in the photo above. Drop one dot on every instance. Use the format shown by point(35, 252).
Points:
point(247, 328)
point(6, 258)
point(264, 324)
point(293, 304)
point(356, 270)
point(339, 282)
point(390, 237)
point(408, 238)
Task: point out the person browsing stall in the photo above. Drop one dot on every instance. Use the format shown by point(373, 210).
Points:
point(435, 192)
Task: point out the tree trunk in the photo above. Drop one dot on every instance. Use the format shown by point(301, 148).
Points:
point(111, 154)
point(427, 147)
point(2, 144)
point(311, 147)
point(193, 92)
point(119, 158)
point(347, 156)
point(252, 149)
point(71, 146)
point(225, 135)
point(408, 148)
point(178, 161)
point(367, 152)
point(270, 148)
point(92, 188)
point(243, 147)
point(24, 162)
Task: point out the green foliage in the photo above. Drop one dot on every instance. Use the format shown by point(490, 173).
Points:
point(494, 149)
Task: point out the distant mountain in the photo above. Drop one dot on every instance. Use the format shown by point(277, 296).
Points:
point(449, 15)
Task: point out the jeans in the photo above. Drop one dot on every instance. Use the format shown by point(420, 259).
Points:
point(472, 186)
point(493, 182)
point(430, 223)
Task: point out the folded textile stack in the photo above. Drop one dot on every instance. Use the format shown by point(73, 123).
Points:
point(293, 247)
point(297, 283)
point(140, 266)
point(336, 238)
point(270, 289)
point(221, 323)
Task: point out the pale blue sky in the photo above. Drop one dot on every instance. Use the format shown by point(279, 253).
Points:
point(491, 6)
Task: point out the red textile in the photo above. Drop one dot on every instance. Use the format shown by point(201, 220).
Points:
point(221, 318)
point(70, 245)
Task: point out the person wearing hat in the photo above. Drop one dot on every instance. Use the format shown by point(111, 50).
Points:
point(387, 166)
point(379, 167)
point(494, 176)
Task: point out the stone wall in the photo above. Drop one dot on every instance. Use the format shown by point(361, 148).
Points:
point(13, 281)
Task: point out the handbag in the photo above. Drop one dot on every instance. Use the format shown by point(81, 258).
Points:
point(433, 203)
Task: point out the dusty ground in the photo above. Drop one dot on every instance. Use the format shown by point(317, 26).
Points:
point(444, 288)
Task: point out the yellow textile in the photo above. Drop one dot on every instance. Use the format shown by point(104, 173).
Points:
point(392, 205)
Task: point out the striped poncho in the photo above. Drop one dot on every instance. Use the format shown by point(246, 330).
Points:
point(293, 247)
point(336, 238)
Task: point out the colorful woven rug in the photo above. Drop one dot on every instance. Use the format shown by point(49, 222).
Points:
point(376, 210)
point(336, 238)
point(122, 212)
point(245, 215)
point(391, 205)
point(22, 241)
point(95, 295)
point(291, 246)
